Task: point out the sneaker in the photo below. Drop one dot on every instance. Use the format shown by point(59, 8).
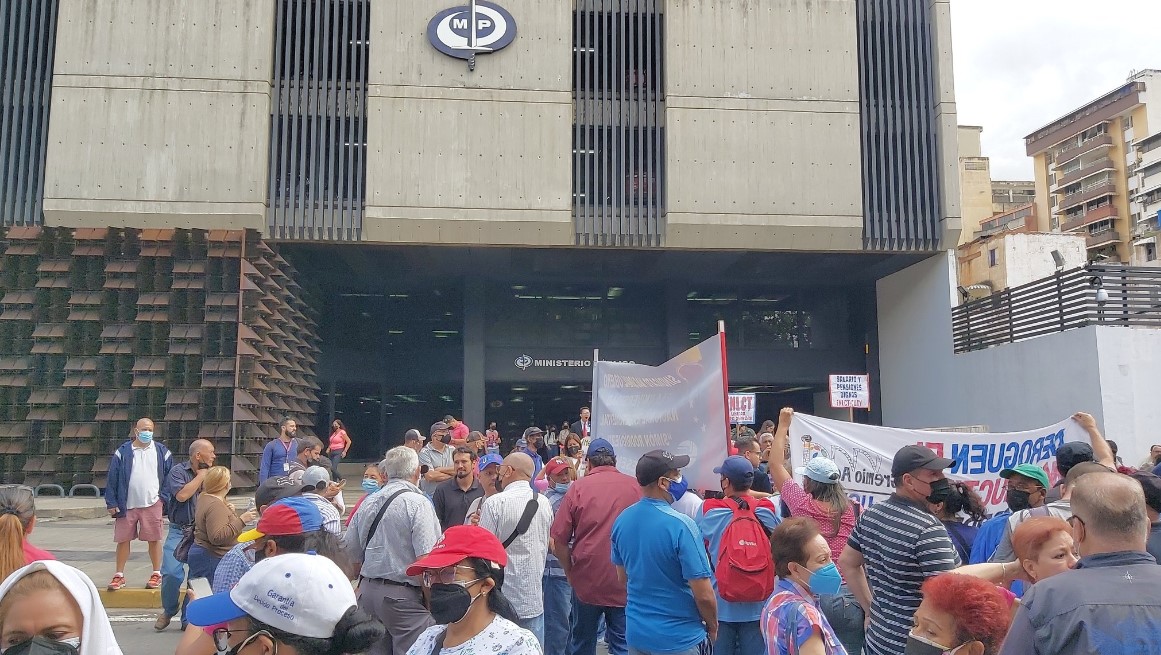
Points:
point(117, 582)
point(162, 623)
point(154, 581)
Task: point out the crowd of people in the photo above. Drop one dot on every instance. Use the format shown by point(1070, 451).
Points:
point(456, 549)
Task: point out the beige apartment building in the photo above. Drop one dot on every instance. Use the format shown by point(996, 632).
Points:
point(1089, 171)
point(990, 206)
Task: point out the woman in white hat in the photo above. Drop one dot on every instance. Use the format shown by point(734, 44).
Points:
point(50, 608)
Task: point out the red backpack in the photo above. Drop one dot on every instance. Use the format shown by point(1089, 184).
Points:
point(745, 569)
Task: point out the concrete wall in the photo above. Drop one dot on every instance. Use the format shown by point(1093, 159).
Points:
point(470, 157)
point(1110, 372)
point(946, 119)
point(160, 114)
point(1028, 257)
point(759, 154)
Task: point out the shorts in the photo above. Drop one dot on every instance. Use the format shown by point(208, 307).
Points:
point(143, 524)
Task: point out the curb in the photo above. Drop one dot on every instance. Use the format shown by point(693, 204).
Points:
point(72, 513)
point(128, 599)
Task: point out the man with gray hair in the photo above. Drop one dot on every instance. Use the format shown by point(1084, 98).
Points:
point(1111, 603)
point(391, 529)
point(184, 485)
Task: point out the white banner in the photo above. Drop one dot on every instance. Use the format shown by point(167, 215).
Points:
point(864, 454)
point(679, 406)
point(850, 391)
point(742, 408)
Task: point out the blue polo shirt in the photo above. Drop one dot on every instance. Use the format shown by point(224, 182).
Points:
point(661, 550)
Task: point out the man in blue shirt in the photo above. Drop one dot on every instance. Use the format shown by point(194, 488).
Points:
point(1027, 488)
point(660, 554)
point(278, 454)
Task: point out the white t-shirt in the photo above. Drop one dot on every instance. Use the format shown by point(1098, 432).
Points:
point(144, 486)
point(501, 637)
point(689, 504)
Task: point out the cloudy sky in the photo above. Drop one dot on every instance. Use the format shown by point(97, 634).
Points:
point(1020, 64)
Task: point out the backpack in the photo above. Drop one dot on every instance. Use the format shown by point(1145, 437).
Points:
point(745, 569)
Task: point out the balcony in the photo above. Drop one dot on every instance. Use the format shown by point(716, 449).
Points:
point(1085, 171)
point(1102, 239)
point(1100, 213)
point(1085, 195)
point(1065, 156)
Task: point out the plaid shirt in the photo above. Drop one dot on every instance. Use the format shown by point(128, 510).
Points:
point(233, 566)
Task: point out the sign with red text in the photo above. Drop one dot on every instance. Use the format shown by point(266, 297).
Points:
point(850, 391)
point(864, 453)
point(742, 408)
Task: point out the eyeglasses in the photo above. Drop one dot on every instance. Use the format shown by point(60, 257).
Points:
point(447, 576)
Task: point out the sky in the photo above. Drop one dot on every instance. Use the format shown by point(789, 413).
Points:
point(1021, 64)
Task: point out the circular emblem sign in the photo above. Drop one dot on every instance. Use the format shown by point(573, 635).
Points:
point(451, 31)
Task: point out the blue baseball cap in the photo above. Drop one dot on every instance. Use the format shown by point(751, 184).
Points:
point(488, 460)
point(820, 469)
point(597, 445)
point(738, 470)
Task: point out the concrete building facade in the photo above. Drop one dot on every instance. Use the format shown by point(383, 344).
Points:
point(623, 174)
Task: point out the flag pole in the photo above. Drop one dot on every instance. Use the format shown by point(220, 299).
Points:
point(593, 399)
point(725, 386)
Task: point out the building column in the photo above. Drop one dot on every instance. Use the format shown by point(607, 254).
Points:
point(473, 335)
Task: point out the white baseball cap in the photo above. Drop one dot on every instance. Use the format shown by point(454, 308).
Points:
point(313, 476)
point(299, 594)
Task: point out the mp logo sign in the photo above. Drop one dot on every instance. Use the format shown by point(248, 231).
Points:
point(452, 32)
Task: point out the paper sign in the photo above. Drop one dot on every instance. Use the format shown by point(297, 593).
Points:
point(742, 408)
point(853, 391)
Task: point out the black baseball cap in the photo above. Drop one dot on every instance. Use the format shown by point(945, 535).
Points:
point(657, 463)
point(1072, 453)
point(275, 489)
point(1151, 484)
point(913, 458)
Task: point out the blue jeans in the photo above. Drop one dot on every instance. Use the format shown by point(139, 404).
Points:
point(585, 621)
point(700, 649)
point(336, 459)
point(172, 574)
point(202, 563)
point(557, 613)
point(845, 616)
point(535, 625)
point(739, 638)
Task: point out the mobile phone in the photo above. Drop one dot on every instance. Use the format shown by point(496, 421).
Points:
point(424, 469)
point(200, 587)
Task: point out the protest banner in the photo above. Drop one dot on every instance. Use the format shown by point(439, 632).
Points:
point(742, 408)
point(864, 454)
point(679, 406)
point(850, 391)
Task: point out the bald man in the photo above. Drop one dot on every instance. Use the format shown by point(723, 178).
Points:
point(1111, 603)
point(183, 485)
point(135, 496)
point(521, 519)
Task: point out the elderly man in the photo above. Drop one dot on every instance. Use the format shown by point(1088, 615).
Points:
point(521, 519)
point(394, 527)
point(135, 498)
point(1111, 603)
point(183, 485)
point(437, 457)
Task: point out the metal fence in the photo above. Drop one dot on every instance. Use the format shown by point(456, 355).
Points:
point(1092, 295)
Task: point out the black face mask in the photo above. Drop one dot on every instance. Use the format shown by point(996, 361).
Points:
point(41, 646)
point(573, 451)
point(916, 646)
point(202, 466)
point(940, 491)
point(1018, 499)
point(450, 603)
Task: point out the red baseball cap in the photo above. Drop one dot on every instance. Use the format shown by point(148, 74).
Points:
point(459, 543)
point(555, 465)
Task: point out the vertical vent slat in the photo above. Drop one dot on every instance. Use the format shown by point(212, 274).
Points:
point(317, 124)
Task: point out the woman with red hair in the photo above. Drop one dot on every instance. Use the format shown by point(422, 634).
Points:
point(1043, 547)
point(959, 615)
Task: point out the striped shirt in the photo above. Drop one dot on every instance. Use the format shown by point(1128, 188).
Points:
point(902, 545)
point(527, 554)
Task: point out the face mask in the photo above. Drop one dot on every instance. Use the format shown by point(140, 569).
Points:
point(145, 436)
point(370, 485)
point(826, 581)
point(450, 603)
point(917, 645)
point(940, 491)
point(560, 487)
point(45, 646)
point(573, 451)
point(237, 649)
point(1018, 500)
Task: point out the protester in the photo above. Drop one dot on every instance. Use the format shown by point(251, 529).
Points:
point(1153, 459)
point(1151, 486)
point(49, 607)
point(1060, 508)
point(961, 499)
point(521, 518)
point(316, 482)
point(413, 439)
point(959, 614)
point(216, 525)
point(373, 481)
point(533, 438)
point(340, 445)
point(571, 450)
point(135, 498)
point(582, 427)
point(294, 604)
point(492, 439)
point(747, 446)
point(467, 557)
point(392, 529)
point(896, 545)
point(688, 501)
point(1072, 453)
point(550, 443)
point(458, 430)
point(453, 497)
point(1043, 547)
point(487, 471)
point(737, 528)
point(437, 457)
point(660, 556)
point(183, 485)
point(240, 557)
point(308, 454)
point(277, 455)
point(581, 532)
point(1111, 602)
point(1118, 465)
point(791, 620)
point(557, 592)
point(1027, 489)
point(821, 498)
point(477, 443)
point(17, 519)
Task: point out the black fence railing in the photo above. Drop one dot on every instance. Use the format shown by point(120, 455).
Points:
point(1092, 295)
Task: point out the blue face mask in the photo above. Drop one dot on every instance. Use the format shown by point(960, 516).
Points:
point(560, 487)
point(145, 436)
point(678, 489)
point(370, 485)
point(826, 581)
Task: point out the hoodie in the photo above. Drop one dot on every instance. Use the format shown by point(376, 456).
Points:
point(97, 635)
